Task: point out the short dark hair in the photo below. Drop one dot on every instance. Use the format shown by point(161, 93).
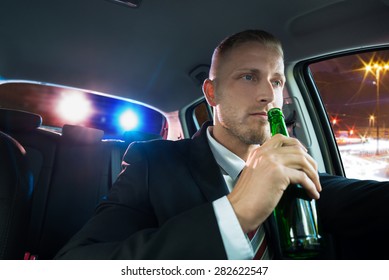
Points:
point(250, 35)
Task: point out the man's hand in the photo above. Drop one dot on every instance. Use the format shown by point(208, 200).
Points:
point(269, 170)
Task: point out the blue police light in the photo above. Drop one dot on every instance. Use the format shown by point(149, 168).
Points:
point(128, 120)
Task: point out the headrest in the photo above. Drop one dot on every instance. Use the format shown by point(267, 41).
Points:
point(7, 142)
point(81, 135)
point(17, 121)
point(130, 136)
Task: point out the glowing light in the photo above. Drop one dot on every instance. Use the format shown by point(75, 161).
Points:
point(74, 108)
point(128, 120)
point(371, 120)
point(376, 67)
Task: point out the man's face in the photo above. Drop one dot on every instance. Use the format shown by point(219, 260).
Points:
point(249, 81)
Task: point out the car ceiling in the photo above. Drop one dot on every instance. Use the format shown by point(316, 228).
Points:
point(147, 53)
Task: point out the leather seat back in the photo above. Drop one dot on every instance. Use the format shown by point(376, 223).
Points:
point(41, 146)
point(15, 198)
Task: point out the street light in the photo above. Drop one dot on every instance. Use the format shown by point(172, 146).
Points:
point(371, 120)
point(376, 68)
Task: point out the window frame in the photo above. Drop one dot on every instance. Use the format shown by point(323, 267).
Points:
point(317, 112)
point(188, 118)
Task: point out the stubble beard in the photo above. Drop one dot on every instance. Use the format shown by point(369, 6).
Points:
point(249, 135)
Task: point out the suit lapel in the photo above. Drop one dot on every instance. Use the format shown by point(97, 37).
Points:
point(204, 168)
point(207, 175)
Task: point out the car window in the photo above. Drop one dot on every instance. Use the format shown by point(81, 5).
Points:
point(194, 115)
point(355, 92)
point(59, 105)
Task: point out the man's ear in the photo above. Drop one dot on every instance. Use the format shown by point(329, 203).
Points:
point(209, 92)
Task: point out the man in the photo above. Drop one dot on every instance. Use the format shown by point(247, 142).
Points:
point(200, 198)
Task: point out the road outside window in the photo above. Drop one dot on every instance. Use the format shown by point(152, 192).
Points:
point(355, 93)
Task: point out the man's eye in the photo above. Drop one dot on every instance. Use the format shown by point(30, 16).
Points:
point(277, 83)
point(248, 77)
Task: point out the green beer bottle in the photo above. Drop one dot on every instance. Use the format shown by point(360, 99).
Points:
point(295, 214)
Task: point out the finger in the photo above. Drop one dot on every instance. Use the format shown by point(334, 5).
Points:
point(312, 171)
point(300, 177)
point(295, 158)
point(280, 140)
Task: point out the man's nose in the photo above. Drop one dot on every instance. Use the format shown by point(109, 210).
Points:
point(265, 93)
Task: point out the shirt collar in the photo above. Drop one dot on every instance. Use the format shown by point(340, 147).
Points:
point(229, 162)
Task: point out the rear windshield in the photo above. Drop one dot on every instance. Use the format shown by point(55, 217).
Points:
point(59, 105)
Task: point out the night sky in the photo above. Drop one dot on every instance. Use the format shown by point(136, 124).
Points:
point(350, 93)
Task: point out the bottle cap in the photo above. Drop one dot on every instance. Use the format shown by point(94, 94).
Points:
point(274, 112)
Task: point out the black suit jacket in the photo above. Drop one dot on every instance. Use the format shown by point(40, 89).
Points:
point(161, 206)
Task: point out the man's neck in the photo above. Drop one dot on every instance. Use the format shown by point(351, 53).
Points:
point(233, 144)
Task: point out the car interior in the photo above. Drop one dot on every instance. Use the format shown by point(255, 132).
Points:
point(81, 80)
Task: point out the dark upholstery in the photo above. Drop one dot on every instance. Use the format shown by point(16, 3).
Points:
point(72, 171)
point(80, 178)
point(81, 135)
point(15, 198)
point(16, 120)
point(41, 146)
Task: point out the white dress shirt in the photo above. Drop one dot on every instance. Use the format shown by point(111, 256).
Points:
point(236, 242)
